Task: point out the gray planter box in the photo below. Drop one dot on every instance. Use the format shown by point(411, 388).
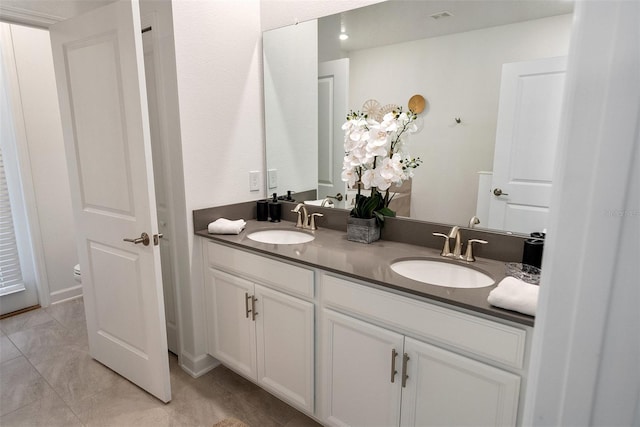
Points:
point(362, 230)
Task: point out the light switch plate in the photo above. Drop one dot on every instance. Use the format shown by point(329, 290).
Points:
point(273, 178)
point(254, 181)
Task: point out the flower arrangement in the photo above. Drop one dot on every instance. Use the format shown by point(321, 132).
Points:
point(376, 157)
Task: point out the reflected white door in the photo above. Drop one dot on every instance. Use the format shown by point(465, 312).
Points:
point(333, 96)
point(100, 76)
point(531, 95)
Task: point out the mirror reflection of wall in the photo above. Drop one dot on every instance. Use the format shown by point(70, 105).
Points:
point(459, 74)
point(291, 107)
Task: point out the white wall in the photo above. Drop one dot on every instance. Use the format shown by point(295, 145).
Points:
point(585, 363)
point(459, 75)
point(219, 74)
point(53, 230)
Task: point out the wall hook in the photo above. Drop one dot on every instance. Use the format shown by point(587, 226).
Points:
point(458, 120)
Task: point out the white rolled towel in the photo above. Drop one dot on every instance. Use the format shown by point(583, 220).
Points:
point(226, 226)
point(515, 294)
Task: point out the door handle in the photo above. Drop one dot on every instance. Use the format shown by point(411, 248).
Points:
point(338, 197)
point(144, 239)
point(498, 192)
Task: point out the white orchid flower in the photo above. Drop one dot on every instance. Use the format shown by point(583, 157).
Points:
point(391, 169)
point(368, 178)
point(349, 176)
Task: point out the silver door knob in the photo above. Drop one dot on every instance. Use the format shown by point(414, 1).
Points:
point(498, 192)
point(144, 239)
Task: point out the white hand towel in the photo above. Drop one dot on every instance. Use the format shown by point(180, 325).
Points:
point(329, 203)
point(515, 294)
point(226, 226)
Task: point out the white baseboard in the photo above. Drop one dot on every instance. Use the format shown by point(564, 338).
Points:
point(65, 294)
point(197, 366)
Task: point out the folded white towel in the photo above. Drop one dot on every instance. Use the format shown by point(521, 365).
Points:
point(515, 294)
point(329, 203)
point(226, 226)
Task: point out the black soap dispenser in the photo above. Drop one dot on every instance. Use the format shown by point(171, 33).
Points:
point(533, 247)
point(275, 209)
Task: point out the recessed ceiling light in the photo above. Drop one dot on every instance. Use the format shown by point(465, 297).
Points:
point(443, 14)
point(343, 36)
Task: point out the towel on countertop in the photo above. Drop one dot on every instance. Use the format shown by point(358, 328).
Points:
point(515, 294)
point(226, 226)
point(329, 203)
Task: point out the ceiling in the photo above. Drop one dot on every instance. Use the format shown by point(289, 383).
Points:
point(404, 20)
point(43, 13)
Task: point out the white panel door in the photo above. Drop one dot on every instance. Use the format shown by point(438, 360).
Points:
point(531, 96)
point(230, 325)
point(285, 340)
point(333, 99)
point(446, 389)
point(359, 387)
point(101, 87)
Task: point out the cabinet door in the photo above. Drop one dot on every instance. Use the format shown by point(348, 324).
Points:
point(357, 373)
point(285, 340)
point(231, 331)
point(446, 389)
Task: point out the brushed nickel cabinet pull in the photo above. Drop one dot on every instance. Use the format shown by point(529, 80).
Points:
point(394, 354)
point(246, 304)
point(254, 313)
point(405, 359)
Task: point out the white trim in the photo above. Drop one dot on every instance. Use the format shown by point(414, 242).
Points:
point(24, 167)
point(587, 261)
point(197, 366)
point(66, 294)
point(22, 16)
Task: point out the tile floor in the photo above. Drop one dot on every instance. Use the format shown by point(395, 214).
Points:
point(47, 378)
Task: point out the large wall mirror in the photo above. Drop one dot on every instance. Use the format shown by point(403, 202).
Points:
point(487, 126)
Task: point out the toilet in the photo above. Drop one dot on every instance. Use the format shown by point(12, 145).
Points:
point(76, 273)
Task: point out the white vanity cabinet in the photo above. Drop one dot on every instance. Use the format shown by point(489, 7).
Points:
point(376, 372)
point(257, 326)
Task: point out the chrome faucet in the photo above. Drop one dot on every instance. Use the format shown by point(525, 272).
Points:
point(302, 215)
point(305, 221)
point(454, 233)
point(473, 221)
point(326, 201)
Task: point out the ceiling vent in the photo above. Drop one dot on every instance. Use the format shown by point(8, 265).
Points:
point(440, 15)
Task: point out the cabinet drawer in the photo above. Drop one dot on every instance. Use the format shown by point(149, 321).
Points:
point(296, 280)
point(496, 341)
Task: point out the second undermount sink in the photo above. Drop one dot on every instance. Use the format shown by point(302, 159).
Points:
point(281, 237)
point(441, 273)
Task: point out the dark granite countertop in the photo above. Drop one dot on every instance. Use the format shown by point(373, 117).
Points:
point(331, 251)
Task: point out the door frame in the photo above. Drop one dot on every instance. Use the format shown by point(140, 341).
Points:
point(151, 19)
point(29, 205)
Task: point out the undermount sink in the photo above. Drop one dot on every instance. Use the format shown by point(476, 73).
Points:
point(441, 273)
point(281, 237)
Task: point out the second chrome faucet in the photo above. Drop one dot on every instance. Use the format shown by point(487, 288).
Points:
point(305, 220)
point(455, 233)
